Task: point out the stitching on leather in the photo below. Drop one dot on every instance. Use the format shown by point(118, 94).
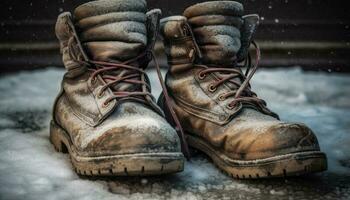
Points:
point(225, 109)
point(193, 110)
point(213, 99)
point(89, 120)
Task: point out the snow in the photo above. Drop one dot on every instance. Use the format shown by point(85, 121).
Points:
point(31, 169)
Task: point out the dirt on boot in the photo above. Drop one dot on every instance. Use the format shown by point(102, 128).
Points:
point(212, 97)
point(105, 116)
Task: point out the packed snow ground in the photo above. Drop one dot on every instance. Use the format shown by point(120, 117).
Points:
point(31, 169)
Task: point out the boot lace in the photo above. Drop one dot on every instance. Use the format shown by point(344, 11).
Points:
point(178, 127)
point(131, 75)
point(243, 94)
point(134, 77)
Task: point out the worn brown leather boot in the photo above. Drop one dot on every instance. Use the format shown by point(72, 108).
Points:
point(212, 97)
point(105, 116)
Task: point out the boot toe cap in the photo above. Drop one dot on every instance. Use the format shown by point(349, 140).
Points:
point(274, 140)
point(150, 136)
point(130, 129)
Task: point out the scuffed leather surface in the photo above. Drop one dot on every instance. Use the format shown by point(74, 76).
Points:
point(180, 46)
point(251, 135)
point(131, 128)
point(82, 95)
point(76, 82)
point(247, 136)
point(196, 98)
point(181, 73)
point(70, 46)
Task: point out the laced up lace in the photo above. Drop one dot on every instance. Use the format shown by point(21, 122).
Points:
point(134, 77)
point(243, 94)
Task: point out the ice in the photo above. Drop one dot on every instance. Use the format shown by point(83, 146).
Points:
point(31, 169)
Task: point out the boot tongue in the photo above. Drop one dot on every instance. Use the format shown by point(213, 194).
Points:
point(112, 30)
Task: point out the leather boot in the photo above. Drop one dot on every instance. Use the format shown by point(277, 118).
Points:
point(220, 114)
point(105, 116)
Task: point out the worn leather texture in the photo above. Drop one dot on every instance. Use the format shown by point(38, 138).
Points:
point(111, 31)
point(243, 132)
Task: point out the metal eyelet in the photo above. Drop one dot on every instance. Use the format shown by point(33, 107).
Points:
point(201, 76)
point(211, 88)
point(229, 106)
point(93, 80)
point(222, 97)
point(105, 104)
point(100, 94)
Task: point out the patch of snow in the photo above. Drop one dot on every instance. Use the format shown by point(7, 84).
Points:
point(274, 192)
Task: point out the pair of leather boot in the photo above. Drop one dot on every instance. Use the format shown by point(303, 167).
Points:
point(106, 118)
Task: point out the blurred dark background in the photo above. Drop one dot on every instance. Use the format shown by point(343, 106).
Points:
point(313, 34)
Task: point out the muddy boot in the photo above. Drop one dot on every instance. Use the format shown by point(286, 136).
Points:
point(219, 112)
point(105, 116)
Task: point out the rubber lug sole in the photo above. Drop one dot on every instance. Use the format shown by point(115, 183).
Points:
point(293, 164)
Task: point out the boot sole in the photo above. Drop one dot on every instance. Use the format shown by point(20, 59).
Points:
point(139, 164)
point(293, 164)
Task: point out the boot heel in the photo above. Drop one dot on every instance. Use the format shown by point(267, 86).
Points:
point(57, 137)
